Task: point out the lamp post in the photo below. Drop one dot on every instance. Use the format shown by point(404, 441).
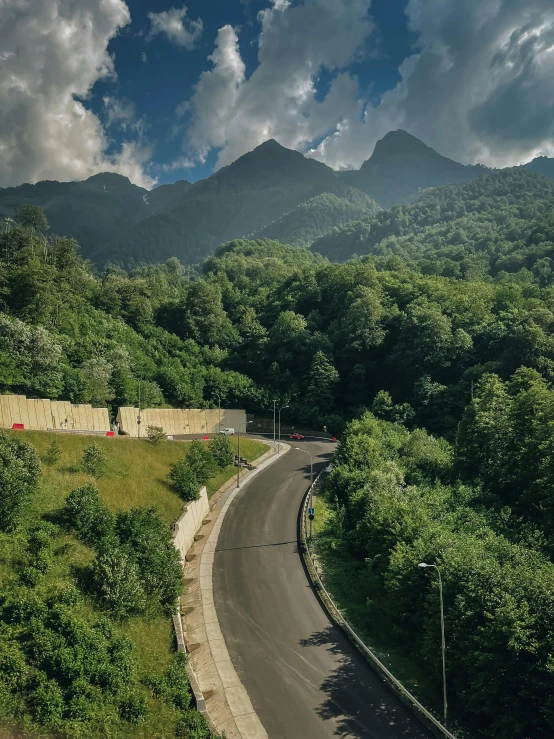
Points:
point(311, 483)
point(274, 405)
point(279, 443)
point(138, 417)
point(218, 413)
point(238, 450)
point(424, 565)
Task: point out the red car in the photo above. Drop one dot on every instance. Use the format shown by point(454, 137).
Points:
point(297, 437)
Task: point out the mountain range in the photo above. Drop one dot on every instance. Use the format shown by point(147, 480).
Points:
point(270, 192)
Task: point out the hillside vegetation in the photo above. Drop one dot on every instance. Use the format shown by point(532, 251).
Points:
point(441, 385)
point(88, 581)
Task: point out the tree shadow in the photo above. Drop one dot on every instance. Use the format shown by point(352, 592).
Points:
point(358, 700)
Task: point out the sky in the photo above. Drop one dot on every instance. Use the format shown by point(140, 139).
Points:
point(159, 90)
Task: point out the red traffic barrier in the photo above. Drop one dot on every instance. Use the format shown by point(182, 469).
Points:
point(206, 438)
point(333, 438)
point(110, 433)
point(18, 426)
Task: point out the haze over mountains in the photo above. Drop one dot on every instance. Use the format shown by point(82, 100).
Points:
point(271, 192)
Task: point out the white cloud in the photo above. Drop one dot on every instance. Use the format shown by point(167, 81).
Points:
point(479, 88)
point(279, 99)
point(172, 23)
point(143, 57)
point(53, 51)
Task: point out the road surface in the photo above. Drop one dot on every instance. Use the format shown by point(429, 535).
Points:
point(303, 676)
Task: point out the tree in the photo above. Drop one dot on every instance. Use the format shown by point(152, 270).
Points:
point(85, 513)
point(322, 380)
point(155, 434)
point(33, 217)
point(19, 479)
point(94, 460)
point(221, 450)
point(117, 582)
point(201, 461)
point(184, 481)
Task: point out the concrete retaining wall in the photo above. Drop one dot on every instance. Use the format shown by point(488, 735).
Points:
point(189, 523)
point(176, 422)
point(40, 415)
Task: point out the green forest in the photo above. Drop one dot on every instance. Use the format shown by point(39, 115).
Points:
point(431, 356)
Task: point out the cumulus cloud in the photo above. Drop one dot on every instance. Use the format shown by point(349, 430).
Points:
point(172, 24)
point(53, 51)
point(279, 100)
point(479, 88)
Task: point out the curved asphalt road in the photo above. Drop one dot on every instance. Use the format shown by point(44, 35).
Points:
point(303, 676)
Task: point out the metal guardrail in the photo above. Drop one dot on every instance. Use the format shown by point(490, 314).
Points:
point(403, 693)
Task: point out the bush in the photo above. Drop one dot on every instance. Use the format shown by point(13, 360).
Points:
point(47, 700)
point(133, 708)
point(221, 450)
point(155, 434)
point(201, 461)
point(193, 725)
point(53, 453)
point(19, 478)
point(116, 580)
point(94, 460)
point(87, 515)
point(147, 536)
point(184, 481)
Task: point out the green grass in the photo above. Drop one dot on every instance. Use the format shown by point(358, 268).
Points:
point(136, 475)
point(358, 596)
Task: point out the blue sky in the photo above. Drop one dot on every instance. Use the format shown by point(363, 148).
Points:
point(158, 85)
point(160, 90)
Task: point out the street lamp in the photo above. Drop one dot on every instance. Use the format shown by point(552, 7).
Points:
point(279, 444)
point(274, 404)
point(138, 417)
point(424, 565)
point(305, 451)
point(238, 450)
point(218, 413)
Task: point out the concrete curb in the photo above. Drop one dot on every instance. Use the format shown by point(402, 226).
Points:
point(227, 703)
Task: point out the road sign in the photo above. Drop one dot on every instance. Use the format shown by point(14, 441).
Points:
point(311, 511)
point(311, 516)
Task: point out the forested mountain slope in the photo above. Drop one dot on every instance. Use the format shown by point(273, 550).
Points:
point(92, 211)
point(501, 222)
point(401, 166)
point(239, 199)
point(319, 215)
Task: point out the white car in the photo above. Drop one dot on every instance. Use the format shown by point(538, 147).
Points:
point(227, 432)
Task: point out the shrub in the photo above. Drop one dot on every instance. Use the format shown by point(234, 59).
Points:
point(47, 700)
point(147, 536)
point(87, 515)
point(116, 580)
point(184, 481)
point(192, 725)
point(155, 434)
point(221, 450)
point(19, 477)
point(201, 461)
point(53, 453)
point(133, 708)
point(94, 460)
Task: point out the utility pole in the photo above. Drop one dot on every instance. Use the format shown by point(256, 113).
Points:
point(219, 414)
point(238, 450)
point(274, 406)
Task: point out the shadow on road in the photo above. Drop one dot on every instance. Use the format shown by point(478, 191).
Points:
point(256, 546)
point(357, 699)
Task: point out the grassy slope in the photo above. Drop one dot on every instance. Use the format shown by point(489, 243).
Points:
point(136, 476)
